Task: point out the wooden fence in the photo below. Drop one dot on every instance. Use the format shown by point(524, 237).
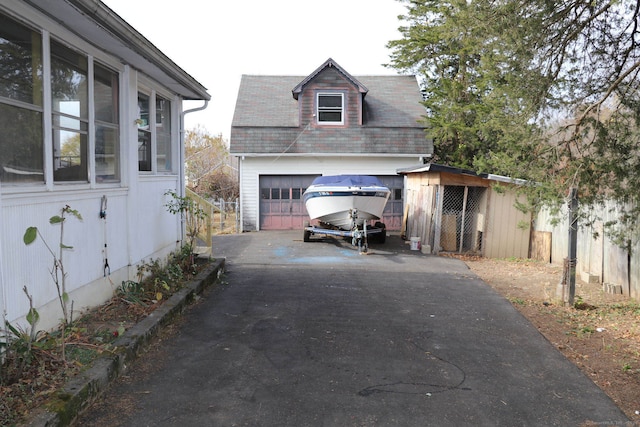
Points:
point(599, 259)
point(220, 219)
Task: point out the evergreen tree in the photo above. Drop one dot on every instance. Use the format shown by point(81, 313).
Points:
point(545, 90)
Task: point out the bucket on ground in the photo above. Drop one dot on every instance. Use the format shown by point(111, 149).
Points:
point(415, 243)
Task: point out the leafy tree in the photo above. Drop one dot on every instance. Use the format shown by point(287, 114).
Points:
point(71, 149)
point(208, 165)
point(536, 89)
point(474, 103)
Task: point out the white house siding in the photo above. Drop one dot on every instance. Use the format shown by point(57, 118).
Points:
point(138, 226)
point(154, 227)
point(132, 236)
point(252, 167)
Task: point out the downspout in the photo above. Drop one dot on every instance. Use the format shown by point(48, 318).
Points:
point(3, 289)
point(182, 183)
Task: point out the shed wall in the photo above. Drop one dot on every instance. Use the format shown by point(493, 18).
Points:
point(497, 219)
point(508, 229)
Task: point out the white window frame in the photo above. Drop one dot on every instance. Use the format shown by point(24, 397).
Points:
point(147, 87)
point(320, 110)
point(71, 41)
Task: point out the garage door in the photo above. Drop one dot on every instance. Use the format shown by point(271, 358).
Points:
point(281, 203)
point(282, 206)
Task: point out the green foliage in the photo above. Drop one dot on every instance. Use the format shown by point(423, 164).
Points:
point(474, 100)
point(131, 291)
point(30, 235)
point(158, 279)
point(192, 213)
point(541, 90)
point(20, 348)
point(57, 272)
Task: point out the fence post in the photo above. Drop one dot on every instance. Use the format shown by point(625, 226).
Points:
point(237, 205)
point(573, 243)
point(209, 224)
point(221, 201)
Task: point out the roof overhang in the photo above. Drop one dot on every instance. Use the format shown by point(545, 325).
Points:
point(434, 167)
point(388, 155)
point(93, 21)
point(329, 63)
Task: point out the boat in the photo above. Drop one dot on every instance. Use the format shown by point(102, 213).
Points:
point(346, 202)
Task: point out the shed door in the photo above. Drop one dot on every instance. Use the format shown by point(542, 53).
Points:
point(281, 203)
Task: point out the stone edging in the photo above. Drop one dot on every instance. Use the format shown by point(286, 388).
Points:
point(81, 390)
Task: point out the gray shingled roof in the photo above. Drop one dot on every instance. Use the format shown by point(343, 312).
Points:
point(331, 64)
point(267, 101)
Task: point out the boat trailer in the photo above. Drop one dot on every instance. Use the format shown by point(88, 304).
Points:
point(359, 235)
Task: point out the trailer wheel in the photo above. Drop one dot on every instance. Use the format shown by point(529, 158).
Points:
point(382, 236)
point(306, 236)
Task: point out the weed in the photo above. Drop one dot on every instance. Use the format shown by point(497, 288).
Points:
point(57, 271)
point(587, 330)
point(131, 291)
point(31, 365)
point(193, 216)
point(580, 304)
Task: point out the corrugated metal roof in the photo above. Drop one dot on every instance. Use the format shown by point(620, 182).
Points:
point(435, 167)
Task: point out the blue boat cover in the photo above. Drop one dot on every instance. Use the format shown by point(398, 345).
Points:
point(348, 180)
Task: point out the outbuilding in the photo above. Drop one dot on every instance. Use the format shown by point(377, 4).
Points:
point(455, 210)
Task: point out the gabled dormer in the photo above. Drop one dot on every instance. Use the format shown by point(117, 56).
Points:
point(330, 97)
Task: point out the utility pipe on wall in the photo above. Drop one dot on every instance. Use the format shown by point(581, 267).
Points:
point(3, 290)
point(181, 191)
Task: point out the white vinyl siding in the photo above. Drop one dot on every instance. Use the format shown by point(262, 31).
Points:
point(137, 227)
point(251, 168)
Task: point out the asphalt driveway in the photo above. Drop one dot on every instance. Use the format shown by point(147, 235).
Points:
point(316, 334)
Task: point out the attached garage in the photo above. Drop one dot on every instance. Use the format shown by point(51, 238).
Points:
point(282, 207)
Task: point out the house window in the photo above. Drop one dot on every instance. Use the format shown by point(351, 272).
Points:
point(154, 142)
point(330, 108)
point(70, 102)
point(107, 151)
point(163, 134)
point(144, 134)
point(75, 135)
point(21, 109)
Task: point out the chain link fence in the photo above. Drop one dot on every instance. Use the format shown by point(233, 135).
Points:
point(462, 219)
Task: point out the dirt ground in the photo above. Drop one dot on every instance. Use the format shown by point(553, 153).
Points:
point(600, 335)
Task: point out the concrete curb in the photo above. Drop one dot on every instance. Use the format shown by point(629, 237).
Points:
point(81, 390)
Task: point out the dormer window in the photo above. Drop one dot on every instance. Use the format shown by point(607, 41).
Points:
point(330, 108)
